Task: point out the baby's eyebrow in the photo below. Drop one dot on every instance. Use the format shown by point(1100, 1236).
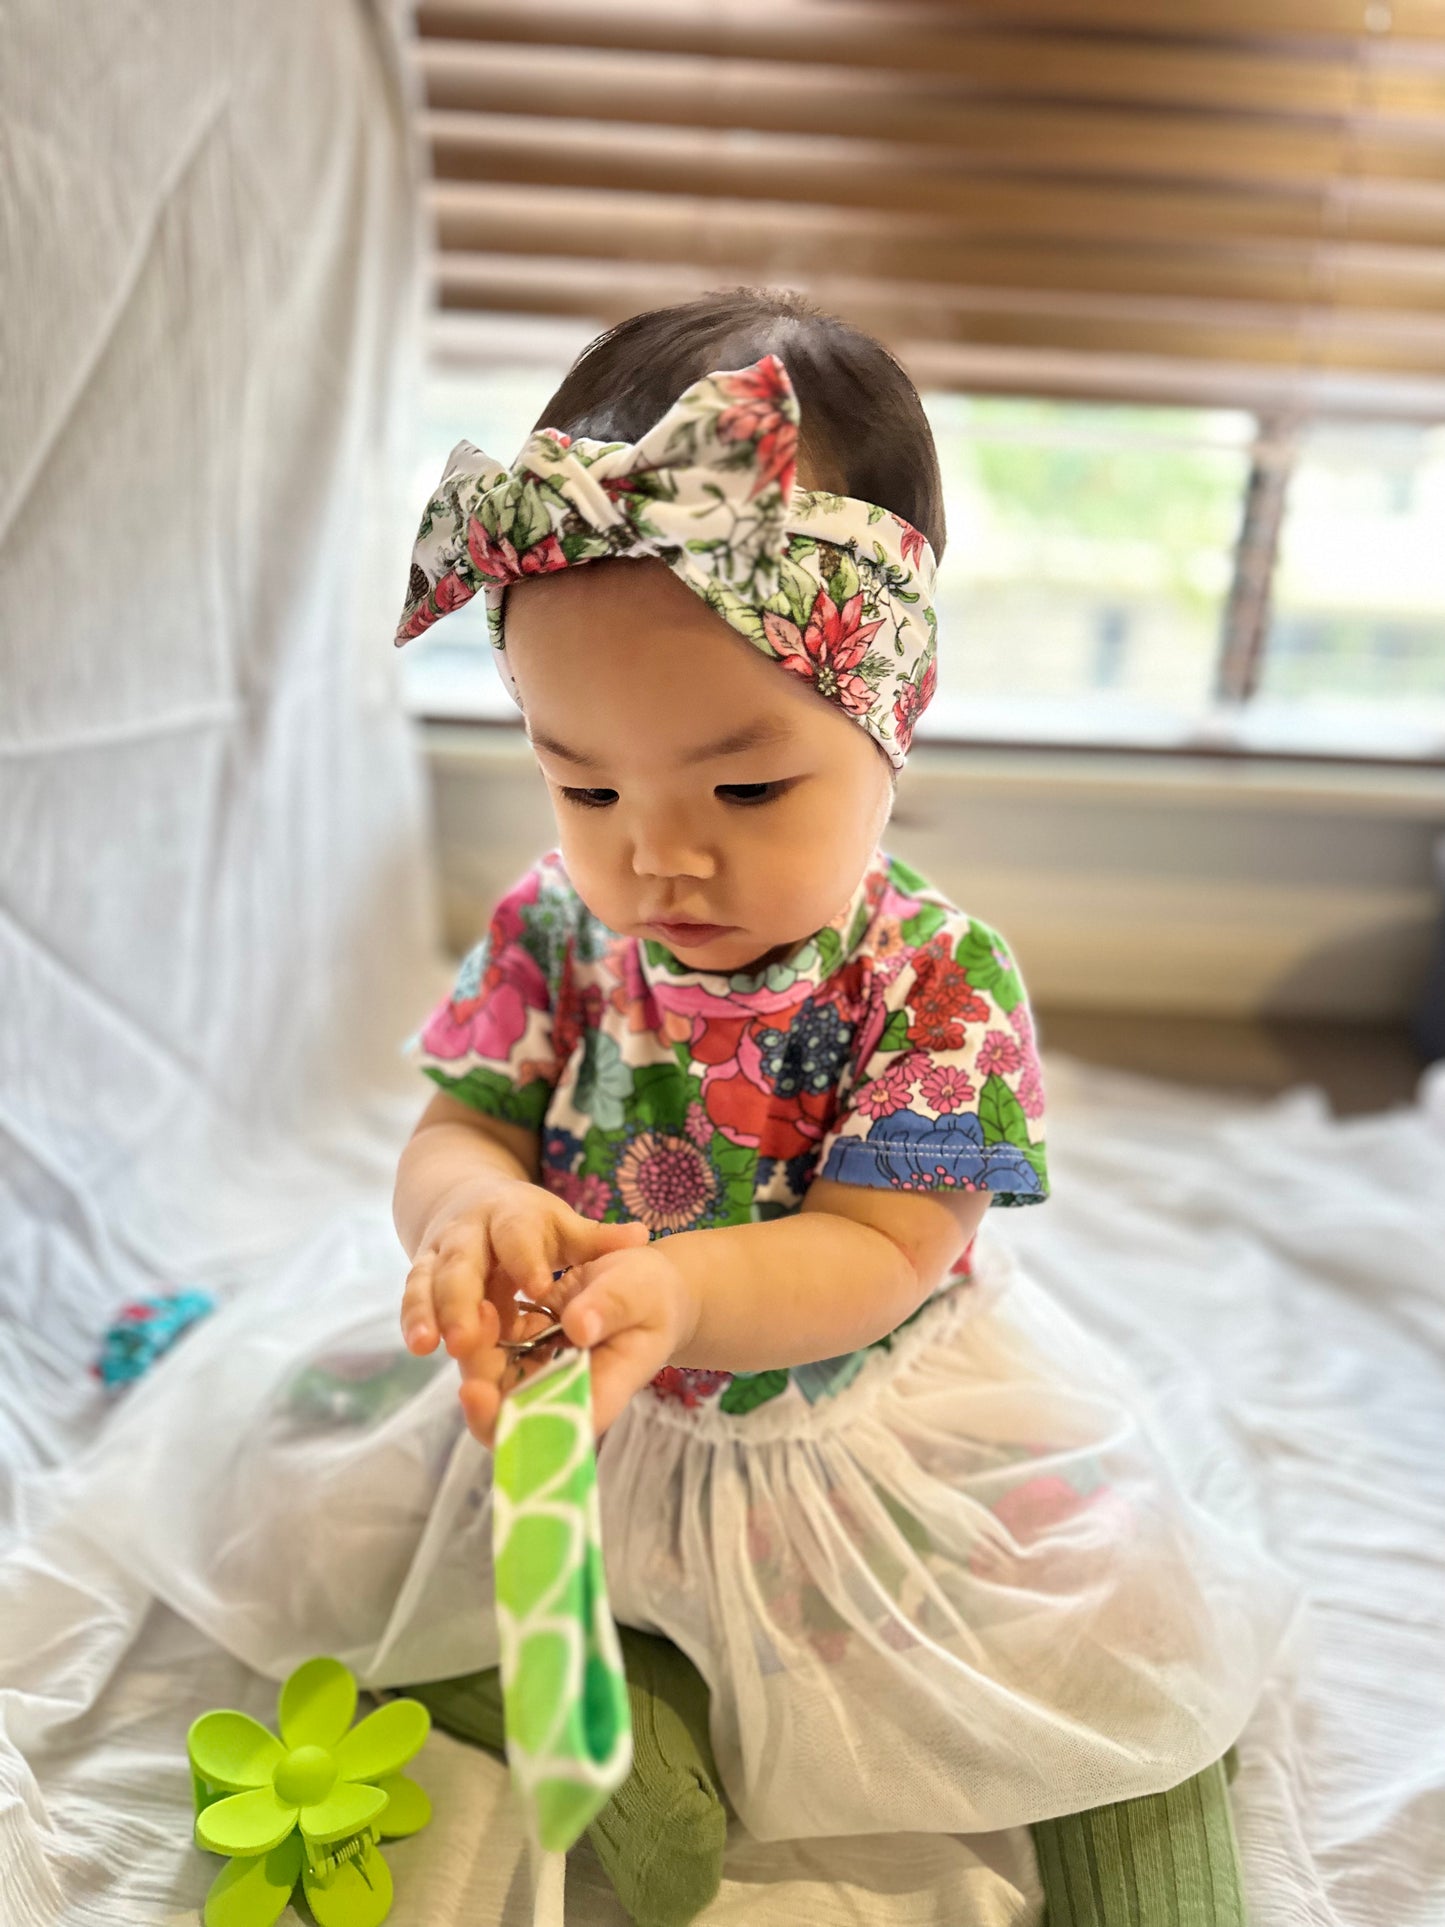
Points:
point(539, 739)
point(756, 735)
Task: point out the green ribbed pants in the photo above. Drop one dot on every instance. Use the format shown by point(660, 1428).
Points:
point(1169, 1860)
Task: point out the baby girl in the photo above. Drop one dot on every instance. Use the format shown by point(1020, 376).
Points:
point(730, 1091)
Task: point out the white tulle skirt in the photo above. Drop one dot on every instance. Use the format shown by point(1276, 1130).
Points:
point(964, 1594)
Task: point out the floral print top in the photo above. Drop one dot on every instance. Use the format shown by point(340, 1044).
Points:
point(893, 1047)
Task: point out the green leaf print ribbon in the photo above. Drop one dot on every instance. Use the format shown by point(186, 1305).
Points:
point(564, 1690)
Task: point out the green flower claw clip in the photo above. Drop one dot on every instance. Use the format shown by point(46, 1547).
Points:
point(307, 1806)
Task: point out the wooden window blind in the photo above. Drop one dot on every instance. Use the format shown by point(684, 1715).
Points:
point(1239, 202)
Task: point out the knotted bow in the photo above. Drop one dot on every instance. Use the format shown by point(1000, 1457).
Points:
point(833, 588)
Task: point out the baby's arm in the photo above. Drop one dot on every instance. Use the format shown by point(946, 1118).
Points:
point(842, 1272)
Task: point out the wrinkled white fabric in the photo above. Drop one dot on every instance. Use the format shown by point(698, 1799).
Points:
point(1272, 1274)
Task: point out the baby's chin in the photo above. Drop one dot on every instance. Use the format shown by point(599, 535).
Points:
point(738, 953)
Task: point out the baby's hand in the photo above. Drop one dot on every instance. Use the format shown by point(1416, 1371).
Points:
point(470, 1269)
point(631, 1308)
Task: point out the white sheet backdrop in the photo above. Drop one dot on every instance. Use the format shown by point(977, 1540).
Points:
point(213, 931)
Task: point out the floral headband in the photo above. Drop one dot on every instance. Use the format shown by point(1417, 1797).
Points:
point(834, 589)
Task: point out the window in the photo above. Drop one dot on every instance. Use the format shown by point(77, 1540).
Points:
point(1169, 278)
point(1357, 633)
point(1086, 595)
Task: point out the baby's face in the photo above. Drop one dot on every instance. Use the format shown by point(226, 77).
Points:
point(706, 798)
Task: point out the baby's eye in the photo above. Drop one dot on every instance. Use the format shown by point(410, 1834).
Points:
point(590, 799)
point(750, 792)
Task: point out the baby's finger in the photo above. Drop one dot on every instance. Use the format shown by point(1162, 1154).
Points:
point(581, 1239)
point(418, 1308)
point(465, 1317)
point(619, 1371)
point(519, 1250)
point(596, 1309)
point(484, 1372)
point(481, 1405)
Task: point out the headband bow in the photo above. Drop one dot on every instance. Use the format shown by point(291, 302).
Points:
point(834, 589)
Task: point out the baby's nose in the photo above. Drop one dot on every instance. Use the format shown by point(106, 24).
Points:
point(665, 849)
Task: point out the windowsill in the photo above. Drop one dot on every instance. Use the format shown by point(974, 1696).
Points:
point(1265, 749)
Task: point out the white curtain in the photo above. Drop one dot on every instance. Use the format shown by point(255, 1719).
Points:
point(213, 900)
point(214, 895)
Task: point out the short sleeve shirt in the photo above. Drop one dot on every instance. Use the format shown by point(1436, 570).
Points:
point(893, 1048)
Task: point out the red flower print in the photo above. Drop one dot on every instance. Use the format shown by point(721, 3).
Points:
point(756, 417)
point(911, 701)
point(420, 619)
point(999, 1054)
point(450, 593)
point(911, 541)
point(942, 1001)
point(777, 1127)
point(945, 1088)
point(688, 1385)
point(496, 559)
point(718, 1040)
point(828, 651)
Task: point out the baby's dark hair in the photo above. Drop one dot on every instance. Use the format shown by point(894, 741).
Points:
point(864, 432)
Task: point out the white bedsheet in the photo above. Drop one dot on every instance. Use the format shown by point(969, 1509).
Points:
point(1274, 1274)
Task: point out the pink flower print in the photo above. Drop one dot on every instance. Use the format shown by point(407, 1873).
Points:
point(699, 1126)
point(830, 1644)
point(888, 1093)
point(1033, 1507)
point(827, 653)
point(592, 1197)
point(899, 1635)
point(945, 1088)
point(870, 1030)
point(760, 1539)
point(589, 1197)
point(495, 558)
point(1031, 1092)
point(756, 417)
point(998, 1054)
point(491, 1024)
point(665, 1182)
point(1023, 1025)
